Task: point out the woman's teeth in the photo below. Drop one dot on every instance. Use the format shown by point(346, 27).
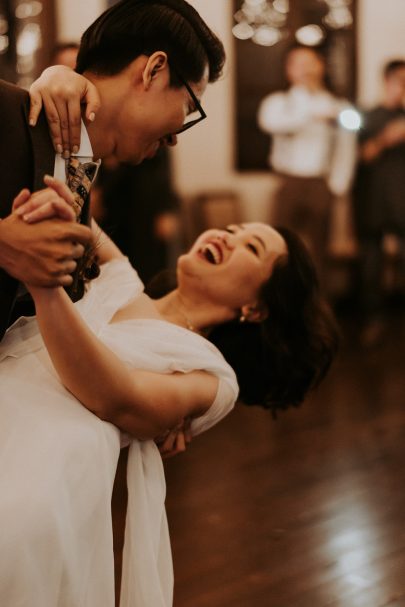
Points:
point(212, 253)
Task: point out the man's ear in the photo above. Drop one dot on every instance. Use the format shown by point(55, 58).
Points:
point(156, 63)
point(254, 312)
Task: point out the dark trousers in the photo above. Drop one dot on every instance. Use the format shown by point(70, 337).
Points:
point(304, 205)
point(371, 271)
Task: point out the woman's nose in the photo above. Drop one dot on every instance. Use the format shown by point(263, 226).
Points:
point(228, 240)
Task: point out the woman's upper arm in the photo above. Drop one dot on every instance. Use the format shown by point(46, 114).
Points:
point(167, 399)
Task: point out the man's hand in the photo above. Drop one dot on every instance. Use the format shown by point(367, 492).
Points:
point(56, 201)
point(42, 254)
point(61, 91)
point(176, 440)
point(394, 133)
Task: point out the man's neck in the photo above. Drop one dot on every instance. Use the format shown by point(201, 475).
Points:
point(99, 131)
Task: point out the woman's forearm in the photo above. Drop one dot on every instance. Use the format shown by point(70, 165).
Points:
point(141, 403)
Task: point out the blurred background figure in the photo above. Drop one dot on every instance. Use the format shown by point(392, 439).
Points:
point(139, 209)
point(380, 195)
point(135, 205)
point(65, 54)
point(311, 152)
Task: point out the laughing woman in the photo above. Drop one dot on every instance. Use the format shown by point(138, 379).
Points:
point(79, 379)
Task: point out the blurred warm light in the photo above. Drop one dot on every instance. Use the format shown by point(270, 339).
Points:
point(24, 10)
point(310, 35)
point(282, 6)
point(25, 64)
point(262, 21)
point(29, 40)
point(350, 119)
point(266, 35)
point(258, 19)
point(274, 17)
point(243, 31)
point(4, 42)
point(255, 3)
point(338, 18)
point(338, 3)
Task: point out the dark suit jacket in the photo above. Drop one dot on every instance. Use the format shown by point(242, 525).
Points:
point(26, 155)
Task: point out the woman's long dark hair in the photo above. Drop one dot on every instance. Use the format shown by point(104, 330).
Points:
point(279, 360)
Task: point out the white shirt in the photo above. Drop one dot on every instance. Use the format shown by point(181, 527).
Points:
point(85, 154)
point(304, 145)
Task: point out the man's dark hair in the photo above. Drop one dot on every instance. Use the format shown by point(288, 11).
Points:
point(393, 66)
point(315, 50)
point(132, 28)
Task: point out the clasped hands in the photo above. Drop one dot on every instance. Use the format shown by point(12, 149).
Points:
point(40, 240)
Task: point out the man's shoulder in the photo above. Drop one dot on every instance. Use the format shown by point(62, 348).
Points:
point(9, 91)
point(376, 118)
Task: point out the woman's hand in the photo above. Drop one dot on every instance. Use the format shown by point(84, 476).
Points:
point(55, 201)
point(176, 440)
point(61, 91)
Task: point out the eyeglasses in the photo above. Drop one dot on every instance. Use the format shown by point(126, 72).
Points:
point(190, 121)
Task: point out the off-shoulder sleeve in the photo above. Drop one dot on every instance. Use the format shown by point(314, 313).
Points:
point(224, 402)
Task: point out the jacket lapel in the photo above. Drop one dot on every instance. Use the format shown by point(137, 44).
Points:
point(43, 162)
point(43, 152)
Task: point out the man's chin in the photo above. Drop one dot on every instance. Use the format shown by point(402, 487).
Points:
point(150, 155)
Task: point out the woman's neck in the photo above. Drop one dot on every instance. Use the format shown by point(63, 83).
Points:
point(196, 315)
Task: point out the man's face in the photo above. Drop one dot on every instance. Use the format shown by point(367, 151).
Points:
point(395, 85)
point(304, 67)
point(150, 116)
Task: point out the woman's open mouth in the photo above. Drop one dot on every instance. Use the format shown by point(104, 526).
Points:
point(212, 252)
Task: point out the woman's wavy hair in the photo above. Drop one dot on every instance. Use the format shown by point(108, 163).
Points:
point(279, 360)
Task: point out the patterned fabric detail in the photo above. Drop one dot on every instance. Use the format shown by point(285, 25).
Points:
point(79, 178)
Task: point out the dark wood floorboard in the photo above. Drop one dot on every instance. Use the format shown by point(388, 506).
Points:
point(305, 511)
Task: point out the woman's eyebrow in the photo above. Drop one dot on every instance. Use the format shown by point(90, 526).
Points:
point(242, 227)
point(260, 240)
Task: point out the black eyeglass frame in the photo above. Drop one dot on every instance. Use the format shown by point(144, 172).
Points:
point(197, 104)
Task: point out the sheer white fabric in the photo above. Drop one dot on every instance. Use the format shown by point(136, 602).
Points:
point(58, 461)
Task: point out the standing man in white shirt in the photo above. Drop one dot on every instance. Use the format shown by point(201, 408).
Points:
point(312, 155)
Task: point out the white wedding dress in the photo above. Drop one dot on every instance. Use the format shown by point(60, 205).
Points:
point(58, 462)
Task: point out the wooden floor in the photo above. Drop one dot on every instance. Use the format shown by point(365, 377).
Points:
point(305, 511)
